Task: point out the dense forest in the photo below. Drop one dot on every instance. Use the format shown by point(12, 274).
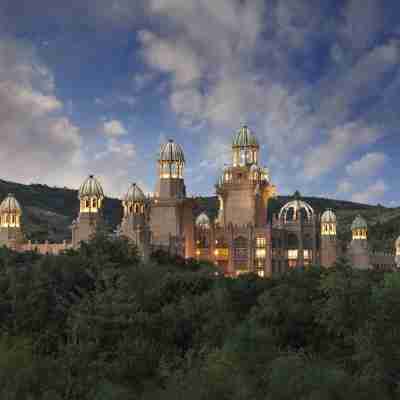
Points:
point(98, 324)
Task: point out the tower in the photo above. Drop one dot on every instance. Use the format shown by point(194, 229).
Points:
point(91, 198)
point(10, 222)
point(171, 216)
point(244, 189)
point(329, 247)
point(358, 249)
point(135, 222)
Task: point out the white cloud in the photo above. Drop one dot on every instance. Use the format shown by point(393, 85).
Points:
point(370, 164)
point(114, 128)
point(342, 141)
point(344, 187)
point(372, 193)
point(39, 141)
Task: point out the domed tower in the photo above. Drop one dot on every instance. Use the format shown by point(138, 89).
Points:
point(245, 187)
point(359, 228)
point(135, 222)
point(328, 239)
point(297, 219)
point(91, 197)
point(359, 254)
point(171, 163)
point(10, 222)
point(171, 217)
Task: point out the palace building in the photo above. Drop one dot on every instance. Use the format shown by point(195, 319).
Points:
point(240, 239)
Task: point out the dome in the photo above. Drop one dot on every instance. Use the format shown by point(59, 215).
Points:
point(134, 194)
point(10, 205)
point(202, 220)
point(91, 188)
point(171, 152)
point(245, 138)
point(290, 211)
point(328, 217)
point(359, 223)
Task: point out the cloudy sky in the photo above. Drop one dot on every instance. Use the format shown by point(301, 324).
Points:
point(94, 86)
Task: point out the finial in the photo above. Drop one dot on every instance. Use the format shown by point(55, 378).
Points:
point(170, 140)
point(91, 176)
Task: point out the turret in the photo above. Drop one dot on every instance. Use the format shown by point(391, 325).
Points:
point(135, 222)
point(329, 247)
point(171, 163)
point(359, 228)
point(359, 251)
point(10, 222)
point(91, 197)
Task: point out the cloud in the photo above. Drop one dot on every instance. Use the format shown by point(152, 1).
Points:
point(342, 141)
point(114, 128)
point(370, 164)
point(372, 193)
point(36, 132)
point(344, 187)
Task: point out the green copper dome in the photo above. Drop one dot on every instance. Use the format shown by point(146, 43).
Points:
point(171, 152)
point(359, 223)
point(245, 138)
point(134, 194)
point(91, 188)
point(10, 205)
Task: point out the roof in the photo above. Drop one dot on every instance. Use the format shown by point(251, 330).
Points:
point(245, 138)
point(91, 188)
point(328, 216)
point(290, 211)
point(171, 151)
point(134, 193)
point(203, 220)
point(10, 204)
point(359, 223)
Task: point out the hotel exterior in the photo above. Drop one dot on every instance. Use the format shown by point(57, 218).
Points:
point(240, 239)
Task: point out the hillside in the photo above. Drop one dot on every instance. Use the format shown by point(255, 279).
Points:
point(49, 212)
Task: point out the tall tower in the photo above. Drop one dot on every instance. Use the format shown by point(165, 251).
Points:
point(358, 249)
point(329, 247)
point(10, 222)
point(91, 198)
point(171, 217)
point(244, 189)
point(135, 222)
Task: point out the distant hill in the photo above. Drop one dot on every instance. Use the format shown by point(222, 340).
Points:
point(49, 212)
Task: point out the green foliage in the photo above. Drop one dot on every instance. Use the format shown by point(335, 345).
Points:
point(98, 324)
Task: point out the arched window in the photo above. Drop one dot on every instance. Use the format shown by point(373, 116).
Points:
point(87, 203)
point(136, 209)
point(94, 203)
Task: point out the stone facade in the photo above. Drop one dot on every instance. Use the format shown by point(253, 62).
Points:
point(240, 239)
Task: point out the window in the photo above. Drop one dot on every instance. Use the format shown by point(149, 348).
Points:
point(261, 242)
point(94, 203)
point(293, 254)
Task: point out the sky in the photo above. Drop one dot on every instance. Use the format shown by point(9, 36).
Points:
point(95, 86)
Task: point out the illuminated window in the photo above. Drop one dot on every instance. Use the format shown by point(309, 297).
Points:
point(260, 253)
point(293, 254)
point(261, 242)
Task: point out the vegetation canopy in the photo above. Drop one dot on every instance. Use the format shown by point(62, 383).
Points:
point(98, 324)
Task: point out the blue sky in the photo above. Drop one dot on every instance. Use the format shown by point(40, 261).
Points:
point(94, 86)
